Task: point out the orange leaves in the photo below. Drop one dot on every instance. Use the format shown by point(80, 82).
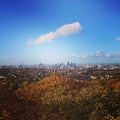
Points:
point(62, 98)
point(5, 115)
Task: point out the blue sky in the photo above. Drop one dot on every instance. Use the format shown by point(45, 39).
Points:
point(94, 35)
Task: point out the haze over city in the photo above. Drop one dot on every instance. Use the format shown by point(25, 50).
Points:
point(54, 31)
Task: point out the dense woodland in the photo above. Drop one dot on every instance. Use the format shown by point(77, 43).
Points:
point(60, 98)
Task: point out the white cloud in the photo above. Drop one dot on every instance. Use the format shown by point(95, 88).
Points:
point(63, 31)
point(85, 56)
point(69, 29)
point(108, 55)
point(99, 53)
point(96, 55)
point(118, 38)
point(93, 55)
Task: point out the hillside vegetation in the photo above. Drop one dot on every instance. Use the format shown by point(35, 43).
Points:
point(60, 98)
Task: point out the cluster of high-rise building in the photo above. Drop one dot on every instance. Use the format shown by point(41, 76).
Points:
point(68, 65)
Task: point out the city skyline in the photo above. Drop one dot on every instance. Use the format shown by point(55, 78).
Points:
point(43, 31)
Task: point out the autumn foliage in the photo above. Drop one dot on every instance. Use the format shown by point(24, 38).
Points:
point(60, 98)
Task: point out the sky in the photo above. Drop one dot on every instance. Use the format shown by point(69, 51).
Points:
point(55, 31)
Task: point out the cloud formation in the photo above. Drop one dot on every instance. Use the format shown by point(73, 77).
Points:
point(118, 38)
point(100, 54)
point(65, 30)
point(97, 54)
point(94, 55)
